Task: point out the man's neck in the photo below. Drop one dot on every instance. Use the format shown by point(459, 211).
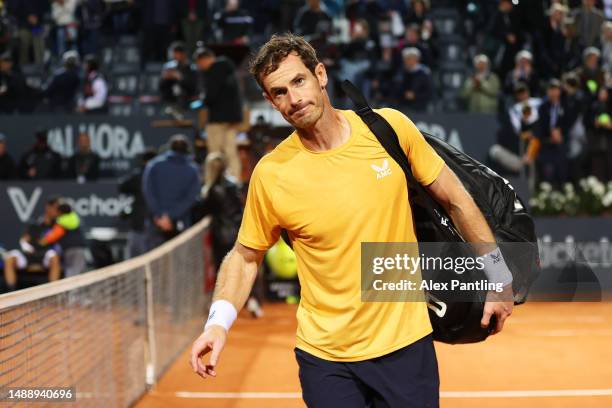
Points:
point(330, 131)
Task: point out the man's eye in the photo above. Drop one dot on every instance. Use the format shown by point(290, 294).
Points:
point(299, 81)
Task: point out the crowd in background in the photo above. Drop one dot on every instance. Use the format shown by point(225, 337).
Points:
point(543, 67)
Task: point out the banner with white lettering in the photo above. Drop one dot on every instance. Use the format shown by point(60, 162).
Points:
point(117, 140)
point(98, 204)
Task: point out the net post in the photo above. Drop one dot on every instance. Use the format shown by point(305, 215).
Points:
point(151, 349)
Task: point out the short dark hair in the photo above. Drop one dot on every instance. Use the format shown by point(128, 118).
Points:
point(179, 144)
point(148, 154)
point(52, 200)
point(92, 62)
point(178, 46)
point(64, 208)
point(272, 53)
point(554, 83)
point(203, 52)
point(520, 87)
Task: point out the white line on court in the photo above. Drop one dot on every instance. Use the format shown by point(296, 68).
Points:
point(443, 394)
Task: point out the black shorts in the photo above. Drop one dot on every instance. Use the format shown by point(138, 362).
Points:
point(405, 378)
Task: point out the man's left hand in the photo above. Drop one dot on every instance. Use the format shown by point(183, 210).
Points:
point(499, 305)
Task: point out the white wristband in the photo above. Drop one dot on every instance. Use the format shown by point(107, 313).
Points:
point(495, 267)
point(222, 313)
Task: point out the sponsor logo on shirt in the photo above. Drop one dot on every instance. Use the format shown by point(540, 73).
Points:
point(382, 171)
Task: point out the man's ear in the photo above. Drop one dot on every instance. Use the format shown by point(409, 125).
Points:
point(269, 99)
point(321, 74)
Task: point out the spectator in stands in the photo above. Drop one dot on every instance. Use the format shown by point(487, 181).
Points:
point(66, 233)
point(178, 79)
point(84, 165)
point(31, 253)
point(553, 132)
point(412, 38)
point(95, 90)
point(12, 86)
point(312, 19)
point(224, 103)
point(572, 50)
point(29, 15)
point(517, 144)
point(588, 22)
point(40, 162)
point(90, 15)
point(233, 24)
point(194, 18)
point(6, 30)
point(599, 121)
point(551, 42)
point(120, 12)
point(574, 103)
point(62, 89)
point(171, 186)
point(606, 46)
point(358, 57)
point(63, 13)
point(417, 14)
point(416, 85)
point(132, 185)
point(159, 18)
point(222, 200)
point(504, 38)
point(482, 88)
point(7, 165)
point(590, 73)
point(523, 72)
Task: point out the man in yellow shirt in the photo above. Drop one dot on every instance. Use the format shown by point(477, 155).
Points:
point(332, 186)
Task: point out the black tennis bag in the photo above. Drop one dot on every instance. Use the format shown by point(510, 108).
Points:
point(456, 319)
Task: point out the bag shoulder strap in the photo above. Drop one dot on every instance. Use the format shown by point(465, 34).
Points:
point(387, 137)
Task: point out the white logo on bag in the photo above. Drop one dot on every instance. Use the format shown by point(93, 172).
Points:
point(23, 206)
point(383, 171)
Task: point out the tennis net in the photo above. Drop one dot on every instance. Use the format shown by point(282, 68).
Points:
point(109, 333)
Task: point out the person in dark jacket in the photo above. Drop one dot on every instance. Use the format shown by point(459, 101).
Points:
point(40, 162)
point(13, 90)
point(222, 200)
point(7, 164)
point(504, 37)
point(224, 101)
point(171, 186)
point(551, 43)
point(132, 185)
point(62, 89)
point(553, 131)
point(90, 14)
point(159, 20)
point(417, 88)
point(30, 251)
point(84, 165)
point(194, 18)
point(29, 15)
point(312, 19)
point(233, 23)
point(178, 80)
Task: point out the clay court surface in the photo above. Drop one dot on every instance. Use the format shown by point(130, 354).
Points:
point(549, 355)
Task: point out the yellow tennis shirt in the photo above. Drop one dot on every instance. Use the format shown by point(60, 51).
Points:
point(329, 202)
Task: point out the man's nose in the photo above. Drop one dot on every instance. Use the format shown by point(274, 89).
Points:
point(294, 98)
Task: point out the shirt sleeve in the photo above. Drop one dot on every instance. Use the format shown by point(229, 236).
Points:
point(260, 228)
point(425, 163)
point(98, 99)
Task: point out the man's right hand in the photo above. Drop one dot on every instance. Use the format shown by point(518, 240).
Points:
point(213, 339)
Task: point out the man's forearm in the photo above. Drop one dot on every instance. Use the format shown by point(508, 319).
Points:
point(235, 279)
point(471, 224)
